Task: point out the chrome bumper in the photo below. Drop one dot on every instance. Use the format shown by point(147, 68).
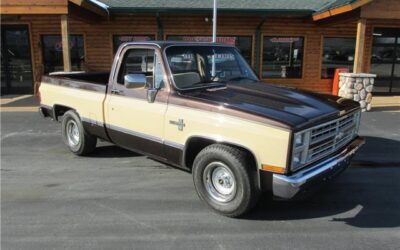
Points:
point(287, 187)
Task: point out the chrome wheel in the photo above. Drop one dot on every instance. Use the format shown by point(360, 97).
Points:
point(73, 135)
point(219, 182)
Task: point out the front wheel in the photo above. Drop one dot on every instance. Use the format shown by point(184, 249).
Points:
point(224, 179)
point(75, 136)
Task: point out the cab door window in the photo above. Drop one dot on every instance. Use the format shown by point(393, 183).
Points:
point(137, 61)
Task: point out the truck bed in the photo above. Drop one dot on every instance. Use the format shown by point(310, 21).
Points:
point(88, 81)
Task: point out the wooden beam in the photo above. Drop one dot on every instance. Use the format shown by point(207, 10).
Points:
point(65, 43)
point(33, 10)
point(34, 7)
point(360, 46)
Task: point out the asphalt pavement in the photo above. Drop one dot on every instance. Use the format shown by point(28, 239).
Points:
point(116, 199)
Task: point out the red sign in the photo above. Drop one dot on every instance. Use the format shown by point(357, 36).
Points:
point(284, 39)
point(124, 39)
point(230, 40)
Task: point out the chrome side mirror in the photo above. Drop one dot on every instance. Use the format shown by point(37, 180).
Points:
point(134, 81)
point(151, 95)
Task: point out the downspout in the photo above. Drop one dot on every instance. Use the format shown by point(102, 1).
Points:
point(257, 48)
point(160, 27)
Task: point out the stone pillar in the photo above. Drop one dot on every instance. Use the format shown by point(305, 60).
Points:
point(358, 87)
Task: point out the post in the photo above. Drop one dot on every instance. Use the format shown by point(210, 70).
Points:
point(360, 46)
point(214, 37)
point(65, 43)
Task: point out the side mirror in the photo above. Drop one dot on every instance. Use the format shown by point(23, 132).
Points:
point(134, 81)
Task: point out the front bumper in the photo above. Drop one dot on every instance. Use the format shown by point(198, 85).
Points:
point(287, 187)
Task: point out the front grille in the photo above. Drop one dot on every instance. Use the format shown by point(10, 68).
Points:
point(330, 136)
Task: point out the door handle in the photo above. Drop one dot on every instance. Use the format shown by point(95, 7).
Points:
point(116, 91)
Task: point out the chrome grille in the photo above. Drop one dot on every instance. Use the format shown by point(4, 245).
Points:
point(328, 137)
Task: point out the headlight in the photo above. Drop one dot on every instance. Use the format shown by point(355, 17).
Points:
point(300, 148)
point(298, 140)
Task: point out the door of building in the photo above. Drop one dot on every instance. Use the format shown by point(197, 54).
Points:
point(16, 61)
point(385, 60)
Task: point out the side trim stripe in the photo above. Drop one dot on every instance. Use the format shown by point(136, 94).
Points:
point(135, 133)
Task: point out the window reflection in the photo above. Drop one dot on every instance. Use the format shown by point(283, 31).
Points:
point(243, 43)
point(337, 53)
point(53, 55)
point(282, 57)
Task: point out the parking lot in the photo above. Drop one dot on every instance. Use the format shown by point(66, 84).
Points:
point(116, 199)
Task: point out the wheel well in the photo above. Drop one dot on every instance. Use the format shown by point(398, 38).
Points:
point(196, 144)
point(60, 110)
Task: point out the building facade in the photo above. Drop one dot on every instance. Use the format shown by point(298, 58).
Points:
point(298, 43)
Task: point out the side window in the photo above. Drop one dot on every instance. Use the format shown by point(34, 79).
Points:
point(137, 61)
point(142, 61)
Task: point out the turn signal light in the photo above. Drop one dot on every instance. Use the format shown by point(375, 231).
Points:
point(275, 169)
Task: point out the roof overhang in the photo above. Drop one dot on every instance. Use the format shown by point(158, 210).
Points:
point(34, 7)
point(51, 7)
point(340, 9)
point(280, 12)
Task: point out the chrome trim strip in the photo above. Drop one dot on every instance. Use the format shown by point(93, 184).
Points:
point(288, 186)
point(137, 134)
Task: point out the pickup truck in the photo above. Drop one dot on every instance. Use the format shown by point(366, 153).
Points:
point(200, 107)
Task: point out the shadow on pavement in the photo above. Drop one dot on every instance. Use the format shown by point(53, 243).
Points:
point(360, 197)
point(378, 152)
point(347, 200)
point(112, 151)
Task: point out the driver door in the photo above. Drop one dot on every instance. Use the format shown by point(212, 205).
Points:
point(134, 122)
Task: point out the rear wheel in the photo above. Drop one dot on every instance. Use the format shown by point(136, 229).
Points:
point(75, 136)
point(224, 179)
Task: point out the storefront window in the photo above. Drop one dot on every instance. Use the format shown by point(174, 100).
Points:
point(53, 55)
point(338, 53)
point(282, 57)
point(243, 43)
point(120, 39)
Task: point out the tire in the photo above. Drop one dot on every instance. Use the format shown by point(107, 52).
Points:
point(224, 180)
point(75, 136)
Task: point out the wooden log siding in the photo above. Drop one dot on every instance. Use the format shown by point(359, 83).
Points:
point(99, 50)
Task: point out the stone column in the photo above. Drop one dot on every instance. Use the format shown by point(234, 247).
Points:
point(358, 87)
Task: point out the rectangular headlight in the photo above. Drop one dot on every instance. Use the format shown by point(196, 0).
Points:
point(300, 148)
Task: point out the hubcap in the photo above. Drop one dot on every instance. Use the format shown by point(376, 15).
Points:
point(219, 182)
point(72, 133)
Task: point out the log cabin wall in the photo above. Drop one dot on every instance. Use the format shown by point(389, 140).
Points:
point(99, 46)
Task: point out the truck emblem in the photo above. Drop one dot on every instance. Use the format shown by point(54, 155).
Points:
point(179, 123)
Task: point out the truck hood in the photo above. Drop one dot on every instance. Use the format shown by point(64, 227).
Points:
point(294, 108)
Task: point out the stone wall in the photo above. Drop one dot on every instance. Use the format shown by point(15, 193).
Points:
point(357, 87)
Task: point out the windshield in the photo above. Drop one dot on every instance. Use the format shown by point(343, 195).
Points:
point(207, 66)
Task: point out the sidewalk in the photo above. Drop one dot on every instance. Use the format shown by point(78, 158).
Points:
point(386, 103)
point(19, 103)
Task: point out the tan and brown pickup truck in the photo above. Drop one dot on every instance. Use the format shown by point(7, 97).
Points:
point(200, 107)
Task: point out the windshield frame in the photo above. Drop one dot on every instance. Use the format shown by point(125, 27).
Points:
point(211, 84)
